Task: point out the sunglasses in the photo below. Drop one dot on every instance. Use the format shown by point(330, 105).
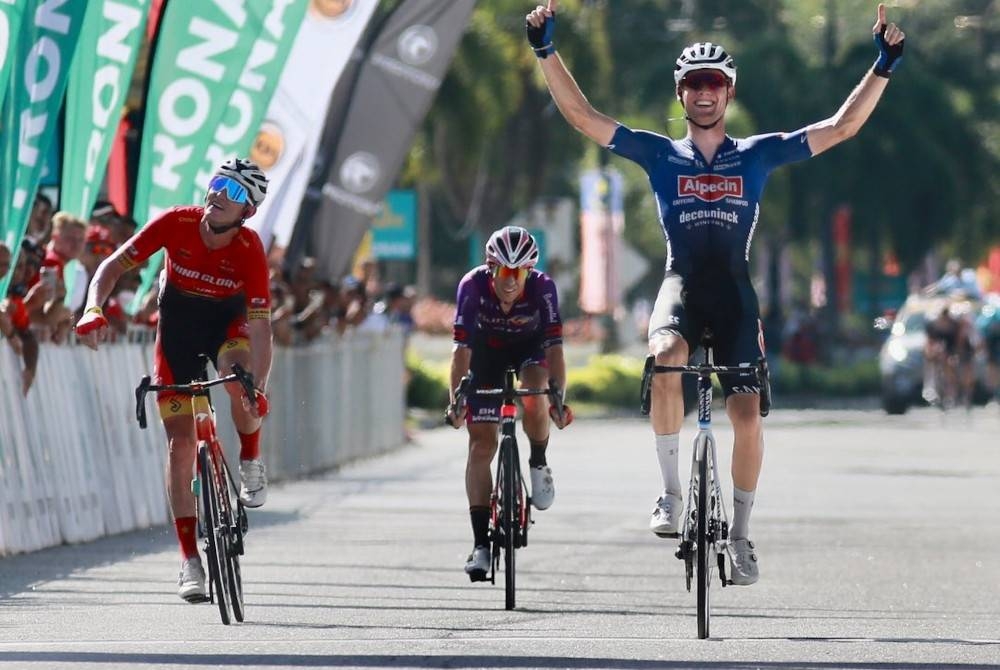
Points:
point(700, 79)
point(234, 190)
point(503, 273)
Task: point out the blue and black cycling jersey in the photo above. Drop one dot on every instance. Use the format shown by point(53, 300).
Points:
point(709, 211)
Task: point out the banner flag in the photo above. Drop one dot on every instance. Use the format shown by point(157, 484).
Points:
point(397, 83)
point(602, 221)
point(288, 138)
point(11, 15)
point(208, 59)
point(237, 132)
point(98, 85)
point(202, 49)
point(37, 81)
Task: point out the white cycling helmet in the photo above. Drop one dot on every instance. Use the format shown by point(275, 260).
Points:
point(249, 174)
point(704, 56)
point(513, 247)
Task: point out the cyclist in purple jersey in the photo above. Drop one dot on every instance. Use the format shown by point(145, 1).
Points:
point(707, 188)
point(507, 315)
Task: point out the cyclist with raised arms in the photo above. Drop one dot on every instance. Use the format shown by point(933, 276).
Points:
point(707, 188)
point(507, 315)
point(214, 300)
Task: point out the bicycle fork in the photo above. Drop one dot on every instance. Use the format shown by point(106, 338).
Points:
point(718, 520)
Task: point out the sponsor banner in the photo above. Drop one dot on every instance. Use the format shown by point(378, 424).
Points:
point(395, 87)
point(11, 14)
point(201, 51)
point(288, 138)
point(98, 85)
point(37, 81)
point(236, 134)
point(394, 231)
point(602, 220)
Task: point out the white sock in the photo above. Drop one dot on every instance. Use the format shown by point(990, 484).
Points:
point(666, 452)
point(742, 503)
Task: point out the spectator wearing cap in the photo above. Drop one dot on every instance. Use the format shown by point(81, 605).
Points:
point(15, 323)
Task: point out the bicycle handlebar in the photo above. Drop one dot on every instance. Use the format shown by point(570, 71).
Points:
point(145, 386)
point(463, 391)
point(759, 370)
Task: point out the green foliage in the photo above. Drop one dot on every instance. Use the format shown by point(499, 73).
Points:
point(609, 380)
point(427, 386)
point(613, 381)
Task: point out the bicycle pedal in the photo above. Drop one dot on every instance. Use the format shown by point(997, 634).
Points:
point(667, 535)
point(478, 576)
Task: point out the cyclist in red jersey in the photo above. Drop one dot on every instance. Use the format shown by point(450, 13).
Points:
point(214, 300)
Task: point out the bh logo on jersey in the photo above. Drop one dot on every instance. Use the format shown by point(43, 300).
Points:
point(710, 187)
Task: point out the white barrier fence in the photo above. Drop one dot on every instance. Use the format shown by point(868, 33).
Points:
point(75, 466)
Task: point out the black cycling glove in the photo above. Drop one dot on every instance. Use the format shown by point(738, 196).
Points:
point(541, 38)
point(889, 55)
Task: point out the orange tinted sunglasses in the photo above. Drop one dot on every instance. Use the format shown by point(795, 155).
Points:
point(503, 273)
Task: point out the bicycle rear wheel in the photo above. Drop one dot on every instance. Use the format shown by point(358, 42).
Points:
point(215, 546)
point(704, 545)
point(233, 542)
point(510, 521)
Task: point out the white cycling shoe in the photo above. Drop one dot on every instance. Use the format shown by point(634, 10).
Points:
point(543, 488)
point(191, 582)
point(666, 518)
point(478, 564)
point(743, 568)
point(253, 483)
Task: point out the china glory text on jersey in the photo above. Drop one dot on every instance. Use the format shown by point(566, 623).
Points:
point(240, 267)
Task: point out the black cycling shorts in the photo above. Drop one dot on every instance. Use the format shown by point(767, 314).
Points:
point(730, 309)
point(192, 326)
point(490, 360)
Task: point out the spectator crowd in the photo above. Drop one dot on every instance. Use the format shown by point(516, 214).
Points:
point(60, 252)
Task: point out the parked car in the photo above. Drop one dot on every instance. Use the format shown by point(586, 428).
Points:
point(901, 359)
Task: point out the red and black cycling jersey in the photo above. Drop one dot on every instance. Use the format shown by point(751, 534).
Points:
point(195, 270)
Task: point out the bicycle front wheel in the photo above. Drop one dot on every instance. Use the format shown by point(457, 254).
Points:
point(510, 520)
point(233, 542)
point(215, 550)
point(704, 545)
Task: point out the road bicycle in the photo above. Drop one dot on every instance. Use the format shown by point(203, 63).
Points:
point(510, 502)
point(705, 532)
point(222, 520)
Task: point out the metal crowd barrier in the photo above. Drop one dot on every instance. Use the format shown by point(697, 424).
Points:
point(75, 466)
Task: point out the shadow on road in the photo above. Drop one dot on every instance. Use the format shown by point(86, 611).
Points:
point(21, 572)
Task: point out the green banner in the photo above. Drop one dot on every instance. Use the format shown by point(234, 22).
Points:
point(256, 85)
point(11, 15)
point(202, 49)
point(98, 85)
point(38, 76)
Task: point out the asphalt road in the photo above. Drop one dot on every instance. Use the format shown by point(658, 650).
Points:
point(878, 541)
